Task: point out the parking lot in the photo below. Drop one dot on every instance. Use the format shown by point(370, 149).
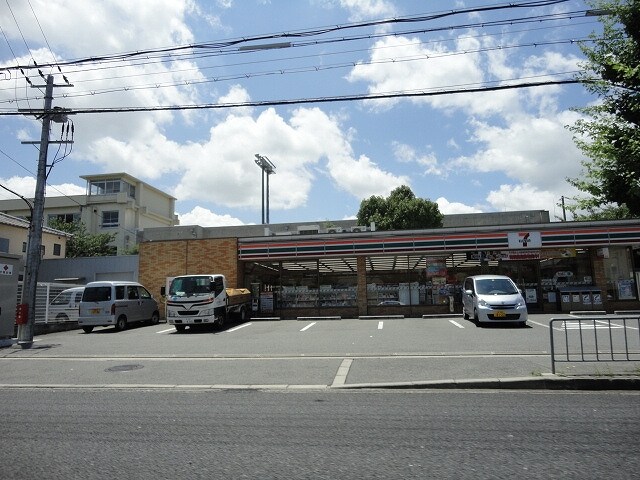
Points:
point(308, 353)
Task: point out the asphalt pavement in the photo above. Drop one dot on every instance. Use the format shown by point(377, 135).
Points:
point(401, 353)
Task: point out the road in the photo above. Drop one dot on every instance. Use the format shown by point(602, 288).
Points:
point(318, 434)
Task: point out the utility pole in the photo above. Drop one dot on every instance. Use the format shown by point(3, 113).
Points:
point(30, 283)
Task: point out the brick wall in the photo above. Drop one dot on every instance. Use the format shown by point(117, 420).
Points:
point(158, 260)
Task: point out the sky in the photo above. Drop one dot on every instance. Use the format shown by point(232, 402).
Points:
point(435, 124)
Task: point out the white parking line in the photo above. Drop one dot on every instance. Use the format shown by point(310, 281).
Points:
point(238, 327)
point(453, 322)
point(308, 326)
point(167, 330)
point(343, 371)
point(380, 324)
point(538, 323)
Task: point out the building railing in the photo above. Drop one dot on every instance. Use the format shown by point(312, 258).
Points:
point(592, 339)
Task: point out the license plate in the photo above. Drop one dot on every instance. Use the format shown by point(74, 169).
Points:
point(95, 311)
point(499, 314)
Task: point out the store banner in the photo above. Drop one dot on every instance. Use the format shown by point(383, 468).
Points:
point(525, 239)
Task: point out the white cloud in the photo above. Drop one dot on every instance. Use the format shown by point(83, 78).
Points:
point(536, 150)
point(206, 218)
point(427, 161)
point(222, 169)
point(402, 64)
point(26, 186)
point(450, 208)
point(369, 9)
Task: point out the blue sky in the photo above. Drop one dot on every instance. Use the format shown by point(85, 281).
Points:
point(469, 152)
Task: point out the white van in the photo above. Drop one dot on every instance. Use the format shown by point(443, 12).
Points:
point(64, 306)
point(493, 298)
point(117, 304)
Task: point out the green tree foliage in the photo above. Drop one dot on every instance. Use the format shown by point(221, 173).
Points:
point(84, 244)
point(609, 134)
point(400, 211)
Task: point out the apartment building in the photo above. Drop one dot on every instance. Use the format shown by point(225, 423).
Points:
point(114, 203)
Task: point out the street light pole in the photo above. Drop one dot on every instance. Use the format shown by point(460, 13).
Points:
point(268, 168)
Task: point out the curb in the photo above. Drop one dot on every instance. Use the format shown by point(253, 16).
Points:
point(546, 382)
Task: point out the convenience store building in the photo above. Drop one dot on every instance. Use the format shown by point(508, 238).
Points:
point(341, 269)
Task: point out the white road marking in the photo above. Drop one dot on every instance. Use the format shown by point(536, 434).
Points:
point(343, 371)
point(167, 330)
point(308, 326)
point(538, 323)
point(238, 327)
point(455, 323)
point(380, 324)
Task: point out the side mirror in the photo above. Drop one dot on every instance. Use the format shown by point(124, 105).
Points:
point(468, 292)
point(163, 291)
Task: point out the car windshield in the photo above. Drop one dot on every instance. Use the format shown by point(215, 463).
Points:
point(495, 286)
point(189, 286)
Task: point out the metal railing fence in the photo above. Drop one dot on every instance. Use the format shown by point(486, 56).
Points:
point(610, 338)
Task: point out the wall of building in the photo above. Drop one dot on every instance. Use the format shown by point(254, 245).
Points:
point(19, 235)
point(159, 260)
point(83, 270)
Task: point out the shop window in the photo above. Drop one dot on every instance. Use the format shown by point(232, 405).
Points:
point(299, 284)
point(618, 270)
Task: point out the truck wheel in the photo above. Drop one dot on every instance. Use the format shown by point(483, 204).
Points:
point(242, 314)
point(180, 328)
point(121, 323)
point(62, 317)
point(87, 329)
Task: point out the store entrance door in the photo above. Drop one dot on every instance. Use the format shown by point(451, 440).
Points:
point(526, 274)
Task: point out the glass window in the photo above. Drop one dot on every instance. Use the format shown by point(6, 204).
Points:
point(110, 218)
point(63, 217)
point(96, 294)
point(144, 293)
point(120, 292)
point(618, 270)
point(57, 249)
point(4, 245)
point(299, 284)
point(104, 187)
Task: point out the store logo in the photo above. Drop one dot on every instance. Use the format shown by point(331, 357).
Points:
point(525, 240)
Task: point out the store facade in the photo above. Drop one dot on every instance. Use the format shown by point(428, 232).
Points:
point(560, 267)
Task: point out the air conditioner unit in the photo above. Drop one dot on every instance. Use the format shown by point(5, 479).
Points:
point(334, 230)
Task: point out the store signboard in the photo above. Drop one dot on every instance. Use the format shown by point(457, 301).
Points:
point(525, 239)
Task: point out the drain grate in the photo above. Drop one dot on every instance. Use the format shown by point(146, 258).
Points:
point(124, 368)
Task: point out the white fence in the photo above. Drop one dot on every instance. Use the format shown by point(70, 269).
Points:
point(45, 312)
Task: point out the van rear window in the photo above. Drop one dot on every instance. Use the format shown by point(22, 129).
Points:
point(96, 294)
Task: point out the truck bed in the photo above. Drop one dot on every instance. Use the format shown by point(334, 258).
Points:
point(238, 295)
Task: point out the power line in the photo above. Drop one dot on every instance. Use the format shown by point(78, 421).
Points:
point(296, 34)
point(301, 101)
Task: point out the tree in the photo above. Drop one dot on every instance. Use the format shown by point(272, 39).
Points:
point(609, 134)
point(400, 211)
point(84, 244)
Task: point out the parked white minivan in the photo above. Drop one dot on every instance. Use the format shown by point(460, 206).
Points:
point(116, 303)
point(64, 306)
point(493, 298)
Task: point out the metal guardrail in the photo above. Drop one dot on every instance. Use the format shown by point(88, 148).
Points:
point(610, 338)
